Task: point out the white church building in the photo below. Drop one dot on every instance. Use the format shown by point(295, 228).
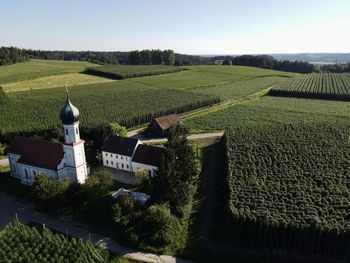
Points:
point(29, 157)
point(130, 155)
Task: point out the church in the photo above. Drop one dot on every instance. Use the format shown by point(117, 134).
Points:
point(29, 157)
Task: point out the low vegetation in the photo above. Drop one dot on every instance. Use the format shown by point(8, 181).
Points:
point(130, 71)
point(288, 189)
point(36, 68)
point(71, 79)
point(332, 86)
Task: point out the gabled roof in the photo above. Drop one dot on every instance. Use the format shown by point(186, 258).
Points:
point(120, 145)
point(39, 153)
point(165, 122)
point(149, 155)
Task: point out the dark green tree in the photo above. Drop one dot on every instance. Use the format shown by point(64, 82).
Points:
point(178, 171)
point(145, 57)
point(168, 57)
point(156, 57)
point(134, 57)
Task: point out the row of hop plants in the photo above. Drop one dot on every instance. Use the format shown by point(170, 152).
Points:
point(37, 112)
point(274, 205)
point(125, 71)
point(330, 86)
point(21, 243)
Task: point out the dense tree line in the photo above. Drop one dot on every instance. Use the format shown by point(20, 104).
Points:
point(336, 68)
point(152, 57)
point(268, 62)
point(12, 55)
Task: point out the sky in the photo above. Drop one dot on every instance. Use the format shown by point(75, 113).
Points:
point(186, 26)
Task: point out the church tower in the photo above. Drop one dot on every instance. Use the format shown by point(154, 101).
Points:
point(74, 153)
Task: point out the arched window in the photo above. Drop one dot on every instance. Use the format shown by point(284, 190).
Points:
point(76, 130)
point(66, 131)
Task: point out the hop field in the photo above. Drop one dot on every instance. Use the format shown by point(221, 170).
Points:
point(288, 189)
point(130, 71)
point(20, 243)
point(333, 86)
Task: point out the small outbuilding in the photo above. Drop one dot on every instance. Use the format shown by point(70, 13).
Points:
point(161, 125)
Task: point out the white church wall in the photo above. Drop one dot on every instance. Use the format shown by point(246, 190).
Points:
point(13, 158)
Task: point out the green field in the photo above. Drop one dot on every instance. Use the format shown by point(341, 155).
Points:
point(334, 86)
point(288, 189)
point(270, 110)
point(71, 79)
point(36, 68)
point(132, 101)
point(131, 71)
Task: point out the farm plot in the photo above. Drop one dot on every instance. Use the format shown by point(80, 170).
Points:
point(126, 103)
point(36, 68)
point(332, 86)
point(270, 110)
point(288, 189)
point(130, 71)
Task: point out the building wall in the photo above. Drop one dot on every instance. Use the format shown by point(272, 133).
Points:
point(151, 169)
point(13, 158)
point(27, 173)
point(71, 133)
point(117, 161)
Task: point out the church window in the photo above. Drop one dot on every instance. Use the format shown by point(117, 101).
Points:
point(34, 173)
point(76, 130)
point(66, 131)
point(26, 177)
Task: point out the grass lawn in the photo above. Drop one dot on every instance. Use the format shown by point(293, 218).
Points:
point(36, 68)
point(71, 79)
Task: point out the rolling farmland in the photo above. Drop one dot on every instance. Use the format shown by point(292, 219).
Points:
point(272, 110)
point(130, 71)
point(288, 189)
point(333, 86)
point(36, 68)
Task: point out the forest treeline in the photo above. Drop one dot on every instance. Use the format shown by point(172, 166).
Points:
point(11, 55)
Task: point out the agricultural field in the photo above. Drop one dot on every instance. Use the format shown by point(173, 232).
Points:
point(239, 88)
point(288, 189)
point(209, 77)
point(131, 101)
point(36, 68)
point(130, 71)
point(272, 110)
point(71, 79)
point(332, 86)
point(126, 103)
point(21, 243)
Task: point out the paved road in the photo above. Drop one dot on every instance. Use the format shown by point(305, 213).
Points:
point(144, 139)
point(26, 212)
point(4, 162)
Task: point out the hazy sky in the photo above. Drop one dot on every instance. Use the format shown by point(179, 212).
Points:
point(186, 26)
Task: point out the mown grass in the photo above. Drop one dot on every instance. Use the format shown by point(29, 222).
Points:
point(71, 79)
point(36, 68)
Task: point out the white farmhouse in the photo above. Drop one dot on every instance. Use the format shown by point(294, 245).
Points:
point(130, 155)
point(28, 156)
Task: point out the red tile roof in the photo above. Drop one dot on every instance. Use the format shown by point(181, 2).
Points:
point(37, 153)
point(166, 122)
point(148, 155)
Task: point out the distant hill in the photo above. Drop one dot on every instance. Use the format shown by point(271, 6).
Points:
point(316, 58)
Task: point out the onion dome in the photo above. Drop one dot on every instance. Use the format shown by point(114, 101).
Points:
point(69, 113)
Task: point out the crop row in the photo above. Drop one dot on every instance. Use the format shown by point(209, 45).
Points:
point(130, 71)
point(334, 86)
point(20, 243)
point(289, 189)
point(129, 105)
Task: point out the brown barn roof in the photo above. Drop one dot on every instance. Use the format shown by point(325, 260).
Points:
point(148, 155)
point(165, 122)
point(120, 145)
point(37, 153)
